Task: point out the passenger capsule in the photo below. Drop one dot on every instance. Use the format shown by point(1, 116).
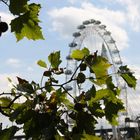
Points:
point(97, 22)
point(86, 22)
point(68, 72)
point(68, 88)
point(81, 27)
point(76, 34)
point(73, 44)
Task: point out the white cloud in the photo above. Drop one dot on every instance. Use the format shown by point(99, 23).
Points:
point(136, 70)
point(5, 85)
point(65, 20)
point(13, 62)
point(30, 69)
point(132, 11)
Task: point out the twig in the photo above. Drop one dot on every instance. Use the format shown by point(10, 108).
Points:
point(76, 69)
point(5, 94)
point(69, 94)
point(4, 2)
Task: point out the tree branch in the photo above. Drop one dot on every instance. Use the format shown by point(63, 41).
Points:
point(5, 94)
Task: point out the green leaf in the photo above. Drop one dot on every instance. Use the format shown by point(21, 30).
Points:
point(9, 79)
point(127, 75)
point(111, 111)
point(24, 116)
point(25, 87)
point(87, 125)
point(38, 125)
point(5, 101)
point(17, 7)
point(22, 81)
point(42, 63)
point(112, 87)
point(54, 59)
point(90, 137)
point(85, 137)
point(100, 94)
point(48, 87)
point(100, 68)
point(90, 93)
point(26, 25)
point(57, 137)
point(96, 109)
point(21, 112)
point(8, 133)
point(105, 94)
point(47, 73)
point(53, 80)
point(85, 51)
point(79, 54)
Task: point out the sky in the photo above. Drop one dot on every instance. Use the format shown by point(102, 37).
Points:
point(59, 19)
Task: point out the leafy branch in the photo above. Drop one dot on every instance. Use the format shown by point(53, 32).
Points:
point(47, 108)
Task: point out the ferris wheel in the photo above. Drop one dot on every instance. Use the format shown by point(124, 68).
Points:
point(94, 36)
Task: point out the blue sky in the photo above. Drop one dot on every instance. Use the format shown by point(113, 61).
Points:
point(59, 20)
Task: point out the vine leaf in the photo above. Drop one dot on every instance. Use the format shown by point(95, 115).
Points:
point(90, 137)
point(24, 86)
point(100, 94)
point(127, 75)
point(90, 93)
point(47, 73)
point(21, 81)
point(111, 111)
point(100, 67)
point(54, 59)
point(5, 101)
point(96, 109)
point(57, 137)
point(85, 51)
point(80, 54)
point(85, 137)
point(17, 7)
point(42, 63)
point(8, 133)
point(26, 25)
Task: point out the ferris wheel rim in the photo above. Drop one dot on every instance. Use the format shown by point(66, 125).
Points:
point(102, 32)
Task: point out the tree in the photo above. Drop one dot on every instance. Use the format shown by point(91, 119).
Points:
point(47, 111)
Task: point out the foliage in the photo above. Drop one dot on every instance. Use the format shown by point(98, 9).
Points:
point(127, 75)
point(50, 111)
point(137, 137)
point(47, 110)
